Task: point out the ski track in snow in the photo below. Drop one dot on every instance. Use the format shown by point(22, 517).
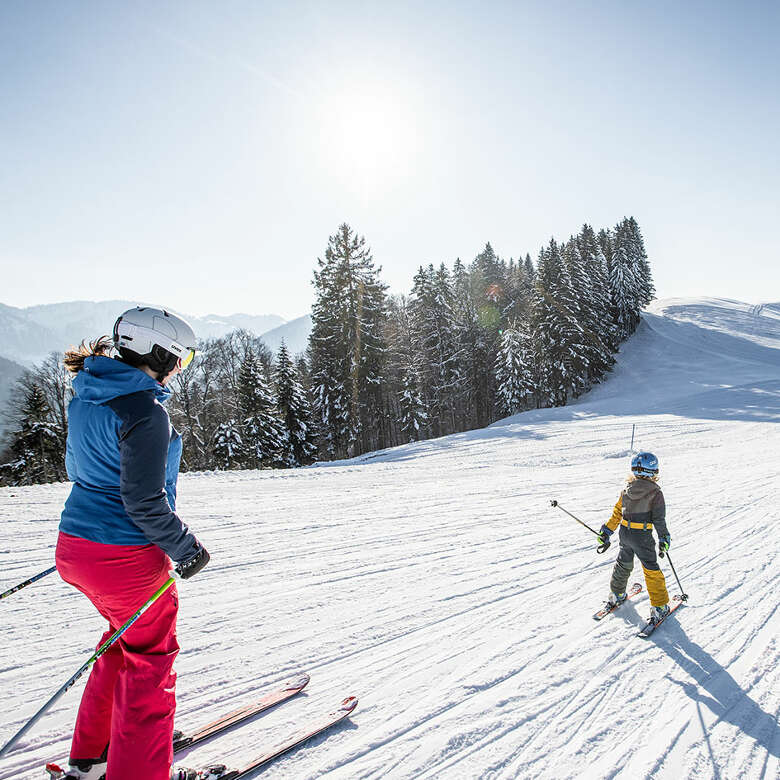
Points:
point(435, 583)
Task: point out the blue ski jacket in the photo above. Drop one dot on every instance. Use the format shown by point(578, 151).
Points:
point(123, 459)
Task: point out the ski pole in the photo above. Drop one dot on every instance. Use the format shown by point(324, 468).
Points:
point(102, 649)
point(683, 594)
point(602, 547)
point(27, 582)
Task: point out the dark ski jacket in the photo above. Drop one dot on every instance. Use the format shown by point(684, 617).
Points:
point(123, 459)
point(641, 506)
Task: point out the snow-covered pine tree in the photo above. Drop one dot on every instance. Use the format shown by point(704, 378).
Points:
point(596, 268)
point(558, 334)
point(295, 412)
point(623, 283)
point(593, 309)
point(263, 437)
point(347, 349)
point(413, 420)
point(432, 325)
point(228, 446)
point(514, 379)
point(530, 271)
point(641, 266)
point(470, 405)
point(35, 452)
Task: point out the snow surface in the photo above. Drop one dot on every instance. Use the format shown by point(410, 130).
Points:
point(435, 582)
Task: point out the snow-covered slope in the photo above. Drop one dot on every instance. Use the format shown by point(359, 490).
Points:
point(435, 582)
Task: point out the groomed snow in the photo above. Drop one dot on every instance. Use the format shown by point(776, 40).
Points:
point(435, 582)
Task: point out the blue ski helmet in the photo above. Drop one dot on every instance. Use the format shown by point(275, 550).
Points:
point(645, 464)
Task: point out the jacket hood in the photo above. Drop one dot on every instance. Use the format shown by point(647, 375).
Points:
point(640, 488)
point(104, 379)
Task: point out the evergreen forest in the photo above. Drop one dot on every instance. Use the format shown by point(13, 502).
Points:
point(468, 344)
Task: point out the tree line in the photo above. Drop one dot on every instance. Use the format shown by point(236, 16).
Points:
point(468, 345)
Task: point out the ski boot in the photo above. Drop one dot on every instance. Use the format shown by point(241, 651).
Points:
point(657, 614)
point(80, 770)
point(616, 599)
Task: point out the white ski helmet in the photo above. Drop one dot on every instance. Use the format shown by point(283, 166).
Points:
point(154, 337)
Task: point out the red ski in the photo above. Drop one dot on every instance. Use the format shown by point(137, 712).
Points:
point(317, 726)
point(609, 608)
point(224, 722)
point(271, 699)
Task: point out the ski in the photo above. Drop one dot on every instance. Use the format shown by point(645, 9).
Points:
point(609, 608)
point(224, 722)
point(271, 699)
point(222, 772)
point(649, 627)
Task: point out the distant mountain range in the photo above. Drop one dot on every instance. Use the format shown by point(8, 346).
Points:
point(28, 335)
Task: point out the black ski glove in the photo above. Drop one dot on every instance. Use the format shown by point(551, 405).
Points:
point(603, 536)
point(191, 566)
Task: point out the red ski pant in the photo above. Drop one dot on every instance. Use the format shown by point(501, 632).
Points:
point(126, 711)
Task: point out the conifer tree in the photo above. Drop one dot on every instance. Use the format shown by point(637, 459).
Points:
point(299, 444)
point(623, 283)
point(558, 333)
point(432, 325)
point(347, 347)
point(596, 268)
point(36, 452)
point(413, 416)
point(641, 266)
point(263, 437)
point(228, 446)
point(514, 377)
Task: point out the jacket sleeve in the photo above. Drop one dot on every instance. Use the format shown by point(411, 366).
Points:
point(658, 511)
point(617, 514)
point(143, 451)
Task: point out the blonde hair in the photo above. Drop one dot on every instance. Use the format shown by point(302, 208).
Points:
point(632, 477)
point(75, 356)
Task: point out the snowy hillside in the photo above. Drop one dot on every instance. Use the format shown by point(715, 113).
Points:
point(435, 582)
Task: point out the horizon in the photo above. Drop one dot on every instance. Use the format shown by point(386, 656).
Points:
point(287, 321)
point(210, 152)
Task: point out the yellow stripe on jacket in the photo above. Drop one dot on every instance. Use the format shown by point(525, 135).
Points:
point(617, 514)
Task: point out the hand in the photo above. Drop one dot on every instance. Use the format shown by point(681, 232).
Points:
point(604, 534)
point(190, 567)
point(664, 542)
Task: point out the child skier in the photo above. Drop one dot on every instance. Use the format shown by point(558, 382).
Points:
point(117, 533)
point(639, 509)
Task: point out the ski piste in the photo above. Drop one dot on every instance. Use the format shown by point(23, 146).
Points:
point(224, 722)
point(317, 726)
point(649, 627)
point(608, 608)
point(271, 699)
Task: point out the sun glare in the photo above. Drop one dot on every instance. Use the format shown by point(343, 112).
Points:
point(370, 135)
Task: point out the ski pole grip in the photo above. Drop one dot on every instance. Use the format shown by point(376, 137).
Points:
point(602, 548)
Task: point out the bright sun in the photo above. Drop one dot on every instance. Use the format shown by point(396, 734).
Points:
point(369, 135)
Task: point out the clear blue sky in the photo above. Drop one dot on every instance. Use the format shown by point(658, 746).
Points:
point(201, 153)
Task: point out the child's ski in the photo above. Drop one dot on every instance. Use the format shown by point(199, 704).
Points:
point(649, 627)
point(221, 771)
point(609, 608)
point(285, 692)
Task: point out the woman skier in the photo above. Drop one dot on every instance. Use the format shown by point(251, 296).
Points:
point(639, 509)
point(118, 532)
